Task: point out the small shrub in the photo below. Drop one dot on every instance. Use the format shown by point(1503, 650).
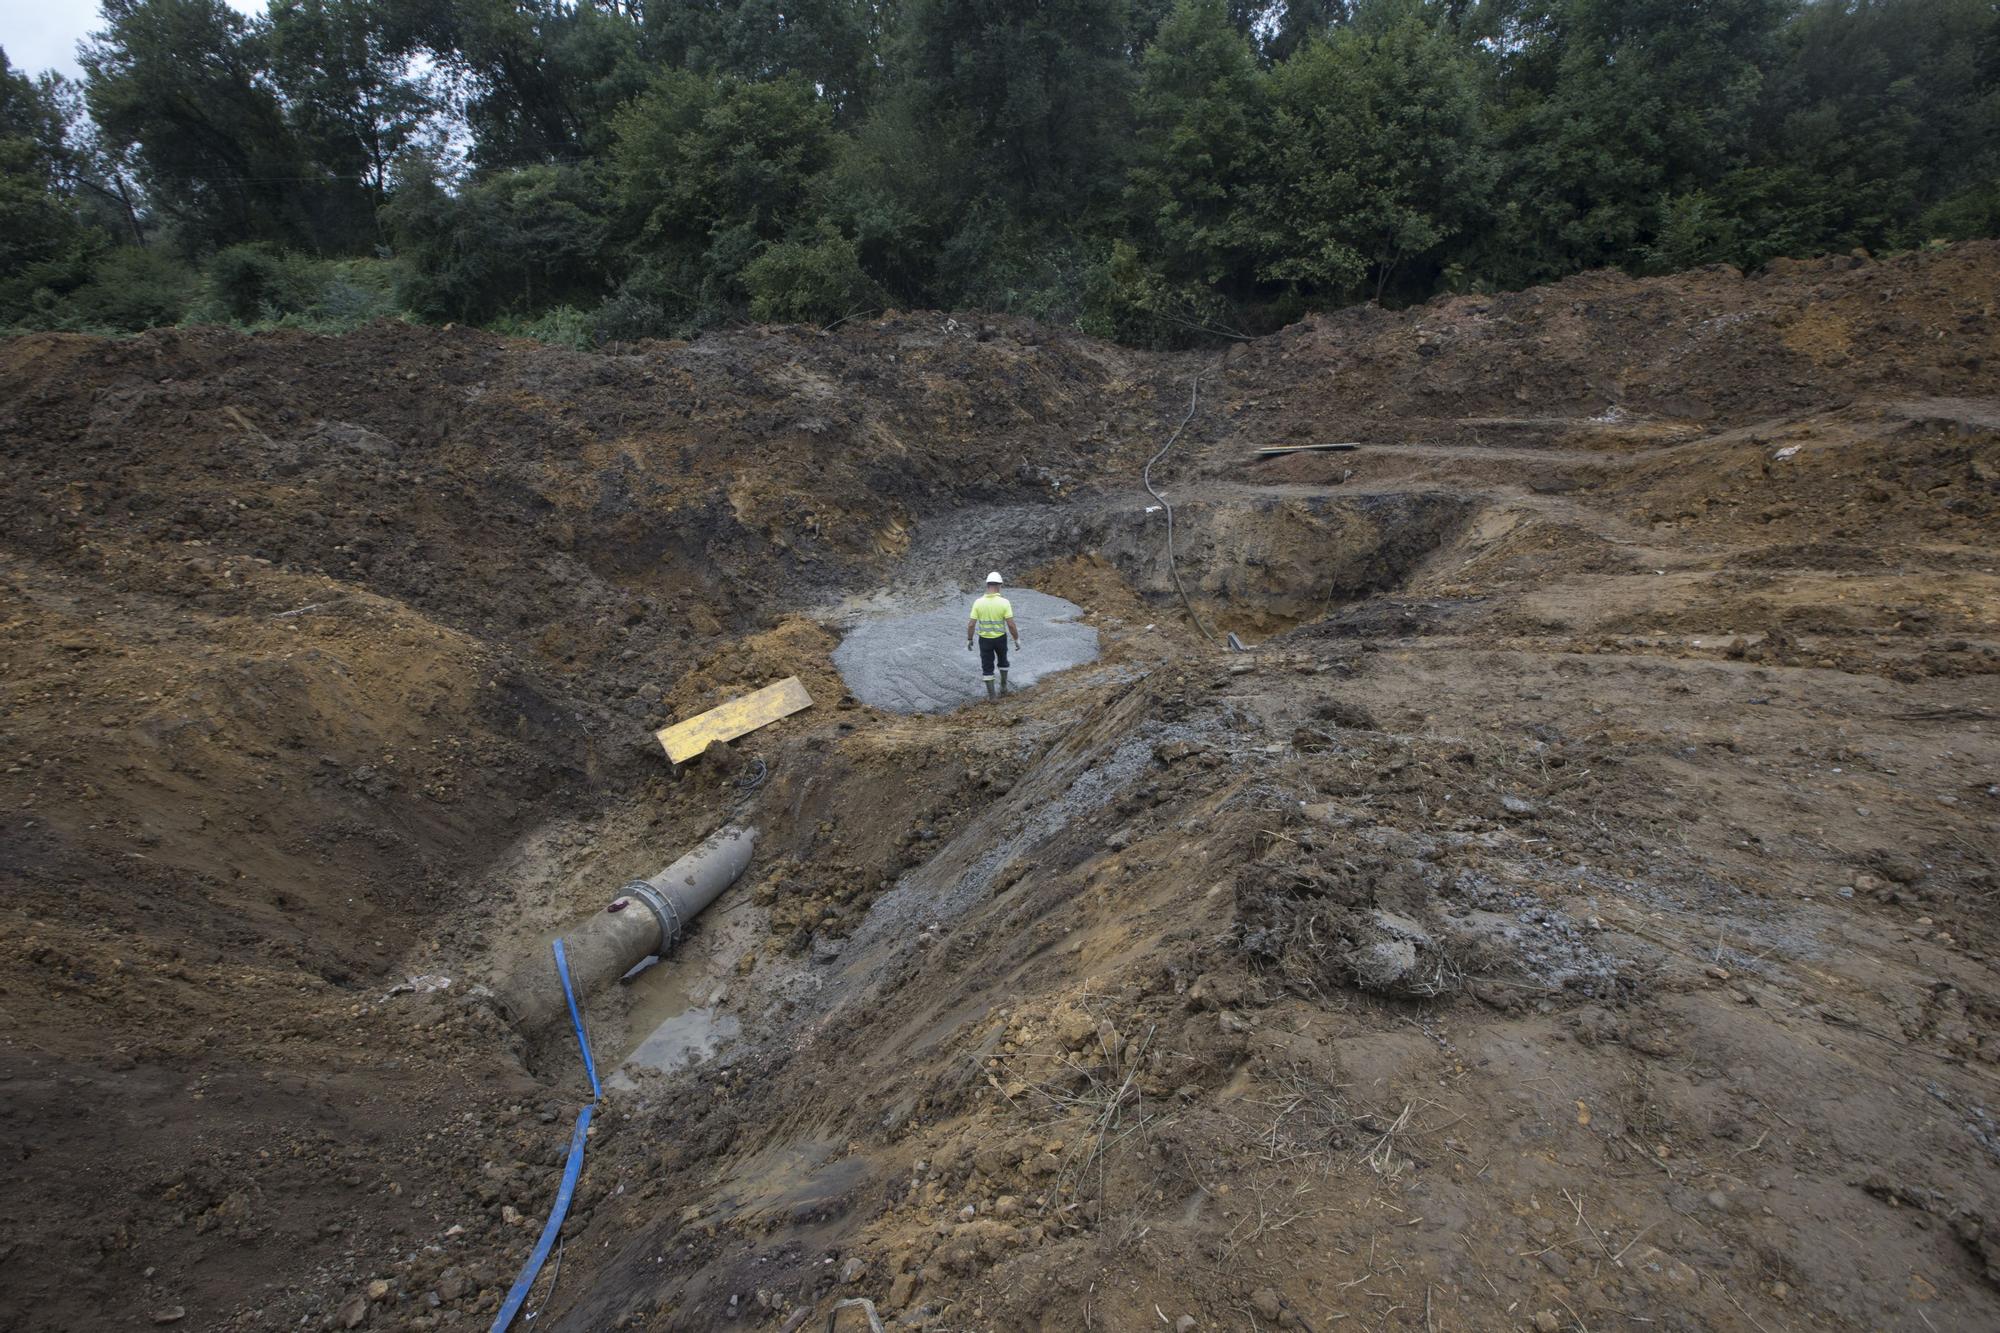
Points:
point(1131, 301)
point(630, 315)
point(130, 289)
point(1972, 213)
point(351, 293)
point(564, 326)
point(817, 283)
point(242, 279)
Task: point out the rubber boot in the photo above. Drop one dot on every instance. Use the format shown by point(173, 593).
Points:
point(1003, 680)
point(989, 687)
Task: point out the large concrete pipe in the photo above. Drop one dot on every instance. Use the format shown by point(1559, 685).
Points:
point(646, 918)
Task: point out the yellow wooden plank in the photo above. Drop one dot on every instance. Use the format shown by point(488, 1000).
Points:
point(725, 722)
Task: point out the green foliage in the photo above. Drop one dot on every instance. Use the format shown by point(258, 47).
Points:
point(1132, 301)
point(1622, 102)
point(514, 242)
point(1377, 156)
point(254, 280)
point(896, 185)
point(830, 44)
point(345, 97)
point(563, 326)
point(255, 285)
point(1297, 22)
point(711, 170)
point(1036, 92)
point(1162, 171)
point(44, 250)
point(1972, 212)
point(30, 117)
point(45, 244)
point(1203, 118)
point(129, 289)
point(699, 156)
point(544, 77)
point(995, 263)
point(809, 282)
point(180, 82)
point(1692, 230)
point(1885, 108)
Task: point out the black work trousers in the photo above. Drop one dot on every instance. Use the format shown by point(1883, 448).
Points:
point(992, 651)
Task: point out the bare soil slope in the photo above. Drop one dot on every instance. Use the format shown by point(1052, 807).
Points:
point(1577, 908)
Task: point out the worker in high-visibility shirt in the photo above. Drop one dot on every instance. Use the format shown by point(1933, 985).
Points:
point(991, 621)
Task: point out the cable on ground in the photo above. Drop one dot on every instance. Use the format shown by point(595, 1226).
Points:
point(1146, 476)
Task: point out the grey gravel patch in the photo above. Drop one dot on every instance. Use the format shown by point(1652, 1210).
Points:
point(915, 660)
point(1545, 941)
point(1096, 787)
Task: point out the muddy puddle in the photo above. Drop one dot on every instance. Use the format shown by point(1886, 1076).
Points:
point(683, 1038)
point(909, 656)
point(681, 1010)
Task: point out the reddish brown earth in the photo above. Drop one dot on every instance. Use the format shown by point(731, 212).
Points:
point(1635, 683)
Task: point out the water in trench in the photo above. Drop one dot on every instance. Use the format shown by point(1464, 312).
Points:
point(677, 1009)
point(682, 1038)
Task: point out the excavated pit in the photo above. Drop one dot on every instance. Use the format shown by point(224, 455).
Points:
point(1186, 985)
point(1262, 563)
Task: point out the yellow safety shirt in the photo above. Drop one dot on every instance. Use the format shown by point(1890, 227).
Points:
point(992, 614)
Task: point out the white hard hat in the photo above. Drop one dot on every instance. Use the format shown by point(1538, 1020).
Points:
point(994, 577)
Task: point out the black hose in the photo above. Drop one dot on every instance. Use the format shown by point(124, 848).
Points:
point(1146, 476)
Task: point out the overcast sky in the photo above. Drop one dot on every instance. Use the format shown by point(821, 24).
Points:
point(42, 34)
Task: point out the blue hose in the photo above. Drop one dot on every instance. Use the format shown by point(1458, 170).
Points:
point(552, 1228)
point(576, 1021)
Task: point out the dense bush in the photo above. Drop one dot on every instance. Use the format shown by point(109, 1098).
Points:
point(814, 282)
point(255, 281)
point(129, 289)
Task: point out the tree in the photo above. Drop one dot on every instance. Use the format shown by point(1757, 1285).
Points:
point(831, 44)
point(1158, 169)
point(1201, 116)
point(1618, 105)
point(346, 95)
point(100, 176)
point(710, 171)
point(816, 281)
point(181, 84)
point(899, 185)
point(1201, 112)
point(1293, 23)
point(1879, 109)
point(28, 113)
point(44, 244)
point(511, 243)
point(541, 80)
point(1037, 91)
point(1378, 157)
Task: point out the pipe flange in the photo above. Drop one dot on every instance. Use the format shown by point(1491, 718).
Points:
point(662, 910)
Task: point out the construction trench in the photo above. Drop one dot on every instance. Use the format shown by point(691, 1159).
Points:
point(1574, 908)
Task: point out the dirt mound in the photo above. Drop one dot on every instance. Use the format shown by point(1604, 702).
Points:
point(1583, 890)
point(1712, 347)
